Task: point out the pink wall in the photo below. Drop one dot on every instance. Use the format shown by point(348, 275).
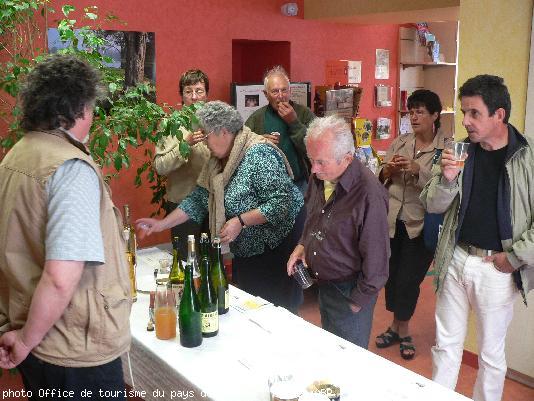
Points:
point(198, 34)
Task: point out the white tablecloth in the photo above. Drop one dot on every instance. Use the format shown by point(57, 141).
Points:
point(254, 344)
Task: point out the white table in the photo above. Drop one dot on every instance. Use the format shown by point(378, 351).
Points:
point(255, 344)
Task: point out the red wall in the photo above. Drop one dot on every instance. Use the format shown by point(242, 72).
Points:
point(199, 34)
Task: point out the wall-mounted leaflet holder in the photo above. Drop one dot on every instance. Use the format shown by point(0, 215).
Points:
point(383, 95)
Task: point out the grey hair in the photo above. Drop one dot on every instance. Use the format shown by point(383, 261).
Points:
point(216, 115)
point(276, 70)
point(343, 141)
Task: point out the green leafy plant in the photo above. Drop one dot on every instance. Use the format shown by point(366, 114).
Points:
point(127, 119)
point(18, 35)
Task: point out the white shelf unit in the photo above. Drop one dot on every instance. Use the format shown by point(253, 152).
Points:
point(417, 71)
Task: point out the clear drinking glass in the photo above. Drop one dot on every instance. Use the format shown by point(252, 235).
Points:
point(459, 151)
point(302, 275)
point(165, 313)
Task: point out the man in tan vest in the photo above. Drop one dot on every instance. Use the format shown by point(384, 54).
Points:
point(64, 289)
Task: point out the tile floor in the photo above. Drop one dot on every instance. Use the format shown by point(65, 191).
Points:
point(423, 331)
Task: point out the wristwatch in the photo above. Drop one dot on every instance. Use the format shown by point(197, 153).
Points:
point(243, 225)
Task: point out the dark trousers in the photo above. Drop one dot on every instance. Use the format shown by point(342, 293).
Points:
point(265, 275)
point(185, 229)
point(339, 319)
point(408, 265)
point(44, 380)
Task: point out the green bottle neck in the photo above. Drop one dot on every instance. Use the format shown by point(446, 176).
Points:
point(204, 269)
point(218, 255)
point(188, 282)
point(204, 250)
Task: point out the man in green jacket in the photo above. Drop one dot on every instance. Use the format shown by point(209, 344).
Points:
point(286, 118)
point(485, 252)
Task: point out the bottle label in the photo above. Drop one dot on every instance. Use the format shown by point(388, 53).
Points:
point(226, 299)
point(178, 292)
point(210, 322)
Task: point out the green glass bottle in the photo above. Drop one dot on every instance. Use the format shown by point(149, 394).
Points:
point(218, 277)
point(207, 294)
point(189, 315)
point(192, 260)
point(176, 275)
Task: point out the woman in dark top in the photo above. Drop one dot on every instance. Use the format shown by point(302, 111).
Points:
point(247, 188)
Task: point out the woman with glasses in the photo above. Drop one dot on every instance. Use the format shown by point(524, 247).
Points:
point(408, 167)
point(181, 172)
point(247, 189)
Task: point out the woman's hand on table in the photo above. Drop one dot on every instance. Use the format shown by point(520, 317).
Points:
point(231, 230)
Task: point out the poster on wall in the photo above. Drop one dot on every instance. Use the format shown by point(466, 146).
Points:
point(383, 95)
point(247, 98)
point(382, 64)
point(114, 49)
point(383, 128)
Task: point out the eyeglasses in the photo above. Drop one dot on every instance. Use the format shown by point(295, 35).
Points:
point(205, 136)
point(418, 112)
point(198, 92)
point(282, 91)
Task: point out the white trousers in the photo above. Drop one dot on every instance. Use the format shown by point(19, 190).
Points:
point(472, 283)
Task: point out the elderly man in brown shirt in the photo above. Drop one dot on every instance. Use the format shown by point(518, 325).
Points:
point(345, 240)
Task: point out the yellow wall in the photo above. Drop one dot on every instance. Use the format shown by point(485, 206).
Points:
point(495, 39)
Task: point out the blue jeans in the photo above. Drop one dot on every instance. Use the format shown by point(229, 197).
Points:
point(339, 319)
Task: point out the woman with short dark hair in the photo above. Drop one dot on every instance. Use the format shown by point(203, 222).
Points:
point(407, 169)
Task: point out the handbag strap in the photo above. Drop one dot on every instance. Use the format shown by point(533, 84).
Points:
point(436, 156)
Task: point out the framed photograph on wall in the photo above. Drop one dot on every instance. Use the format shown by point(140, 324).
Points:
point(383, 95)
point(247, 98)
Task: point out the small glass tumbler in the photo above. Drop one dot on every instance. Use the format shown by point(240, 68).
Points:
point(459, 151)
point(302, 275)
